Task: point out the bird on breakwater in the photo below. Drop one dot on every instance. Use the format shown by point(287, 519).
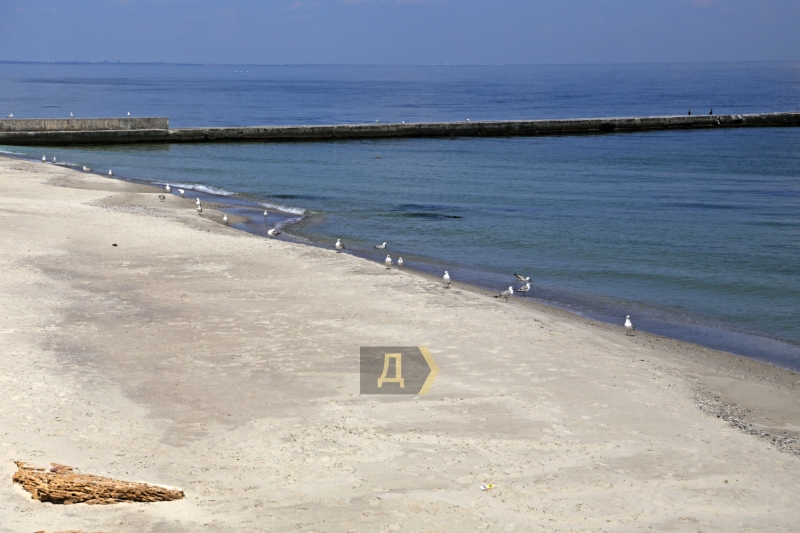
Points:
point(339, 246)
point(274, 232)
point(522, 278)
point(377, 121)
point(86, 169)
point(446, 279)
point(129, 113)
point(162, 197)
point(380, 246)
point(70, 114)
point(182, 192)
point(628, 325)
point(225, 219)
point(525, 288)
point(388, 262)
point(110, 172)
point(11, 115)
point(690, 111)
point(711, 112)
point(467, 120)
point(506, 293)
point(400, 263)
point(200, 210)
point(168, 188)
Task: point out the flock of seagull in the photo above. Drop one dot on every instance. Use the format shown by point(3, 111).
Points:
point(339, 246)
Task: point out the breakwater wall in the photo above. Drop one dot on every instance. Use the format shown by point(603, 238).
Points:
point(35, 125)
point(94, 134)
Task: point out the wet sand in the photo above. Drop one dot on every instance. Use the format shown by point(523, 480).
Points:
point(195, 355)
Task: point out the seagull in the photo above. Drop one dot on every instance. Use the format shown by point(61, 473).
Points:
point(523, 278)
point(225, 218)
point(70, 114)
point(86, 169)
point(11, 115)
point(44, 159)
point(168, 188)
point(377, 121)
point(129, 113)
point(181, 192)
point(446, 279)
point(388, 262)
point(711, 112)
point(628, 325)
point(505, 294)
point(274, 232)
point(380, 246)
point(266, 212)
point(690, 111)
point(200, 210)
point(110, 172)
point(400, 263)
point(467, 120)
point(162, 197)
point(339, 246)
point(525, 288)
point(198, 202)
point(54, 159)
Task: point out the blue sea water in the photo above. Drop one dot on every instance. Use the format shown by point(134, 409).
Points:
point(696, 234)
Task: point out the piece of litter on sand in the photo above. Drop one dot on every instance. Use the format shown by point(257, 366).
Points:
point(487, 486)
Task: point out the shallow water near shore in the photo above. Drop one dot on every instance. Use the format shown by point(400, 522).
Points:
point(696, 234)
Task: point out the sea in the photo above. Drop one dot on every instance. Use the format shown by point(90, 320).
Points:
point(694, 233)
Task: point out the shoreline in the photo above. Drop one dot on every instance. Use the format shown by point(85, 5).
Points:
point(700, 330)
point(196, 355)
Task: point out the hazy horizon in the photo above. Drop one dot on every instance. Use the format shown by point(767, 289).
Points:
point(399, 32)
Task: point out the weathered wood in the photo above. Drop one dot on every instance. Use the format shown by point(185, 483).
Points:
point(60, 484)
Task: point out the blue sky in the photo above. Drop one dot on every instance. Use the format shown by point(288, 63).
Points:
point(400, 31)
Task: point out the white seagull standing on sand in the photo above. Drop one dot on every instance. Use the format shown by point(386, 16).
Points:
point(400, 263)
point(44, 159)
point(628, 325)
point(181, 192)
point(86, 169)
point(523, 278)
point(198, 202)
point(380, 246)
point(110, 172)
point(505, 294)
point(54, 159)
point(339, 246)
point(274, 232)
point(525, 288)
point(446, 279)
point(388, 262)
point(225, 218)
point(168, 188)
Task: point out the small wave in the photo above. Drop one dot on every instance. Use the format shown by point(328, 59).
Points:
point(208, 189)
point(430, 216)
point(13, 153)
point(285, 208)
point(288, 222)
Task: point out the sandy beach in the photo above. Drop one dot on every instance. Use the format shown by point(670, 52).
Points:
point(199, 356)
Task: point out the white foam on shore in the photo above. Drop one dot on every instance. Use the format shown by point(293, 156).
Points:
point(200, 188)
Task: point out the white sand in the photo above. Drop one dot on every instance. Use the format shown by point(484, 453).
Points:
point(193, 355)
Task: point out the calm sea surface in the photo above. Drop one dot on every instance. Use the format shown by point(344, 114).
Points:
point(696, 234)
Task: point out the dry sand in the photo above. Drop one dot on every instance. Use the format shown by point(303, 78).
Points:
point(198, 356)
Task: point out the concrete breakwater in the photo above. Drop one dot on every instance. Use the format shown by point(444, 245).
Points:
point(31, 125)
point(151, 130)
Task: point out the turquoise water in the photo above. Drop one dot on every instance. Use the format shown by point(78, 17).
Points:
point(696, 234)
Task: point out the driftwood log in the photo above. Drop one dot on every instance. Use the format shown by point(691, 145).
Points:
point(60, 484)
